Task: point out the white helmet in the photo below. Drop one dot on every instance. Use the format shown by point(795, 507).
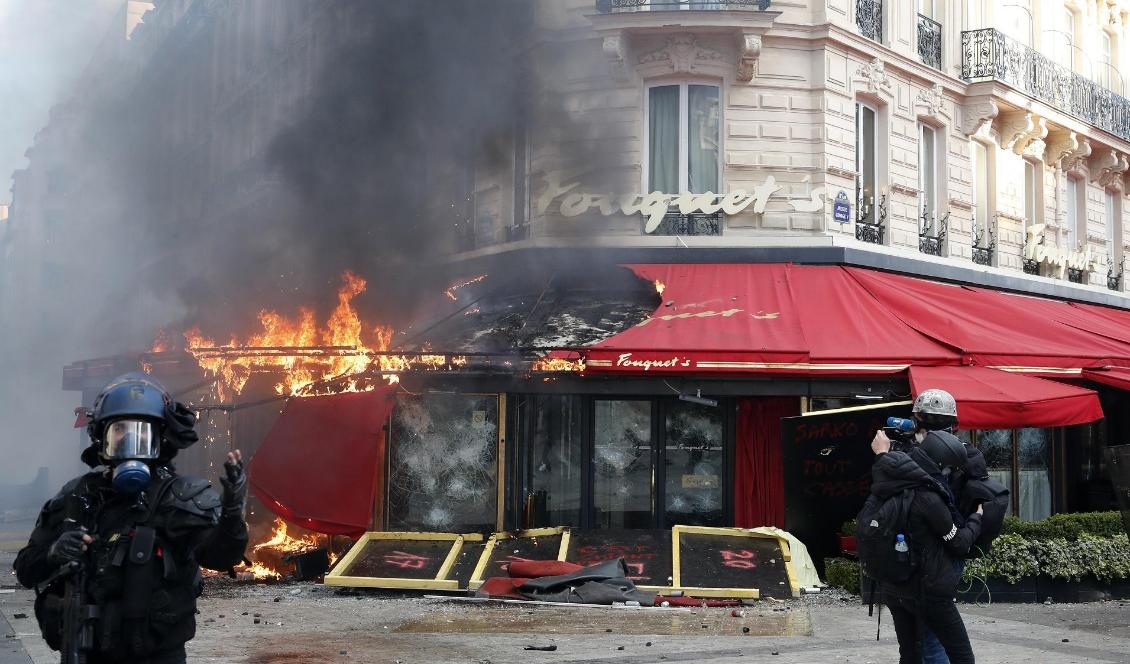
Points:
point(935, 409)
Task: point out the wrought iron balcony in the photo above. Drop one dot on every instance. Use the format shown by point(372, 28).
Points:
point(869, 221)
point(988, 54)
point(869, 18)
point(1031, 266)
point(930, 41)
point(695, 223)
point(616, 6)
point(983, 254)
point(1114, 279)
point(1075, 275)
point(928, 241)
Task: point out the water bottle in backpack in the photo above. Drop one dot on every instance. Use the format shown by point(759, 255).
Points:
point(902, 551)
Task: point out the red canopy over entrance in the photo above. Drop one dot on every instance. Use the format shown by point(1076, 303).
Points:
point(1114, 376)
point(995, 399)
point(319, 465)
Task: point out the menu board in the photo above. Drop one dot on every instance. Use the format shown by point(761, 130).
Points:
point(827, 460)
point(647, 553)
point(400, 560)
point(506, 547)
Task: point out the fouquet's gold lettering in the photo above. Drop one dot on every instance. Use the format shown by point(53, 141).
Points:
point(626, 360)
point(698, 314)
point(1061, 259)
point(655, 205)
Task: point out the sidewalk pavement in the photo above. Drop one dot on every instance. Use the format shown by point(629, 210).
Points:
point(305, 622)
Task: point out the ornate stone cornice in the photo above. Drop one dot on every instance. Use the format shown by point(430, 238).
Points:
point(1013, 126)
point(683, 53)
point(976, 113)
point(615, 49)
point(1108, 168)
point(932, 101)
point(749, 51)
point(1077, 158)
point(1060, 143)
point(874, 73)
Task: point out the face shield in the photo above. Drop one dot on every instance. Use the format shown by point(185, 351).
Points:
point(131, 439)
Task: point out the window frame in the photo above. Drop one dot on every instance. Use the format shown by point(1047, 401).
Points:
point(1074, 193)
point(1055, 466)
point(985, 194)
point(928, 190)
point(684, 131)
point(1112, 215)
point(860, 105)
point(1033, 195)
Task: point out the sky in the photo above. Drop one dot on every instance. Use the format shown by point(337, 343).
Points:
point(44, 44)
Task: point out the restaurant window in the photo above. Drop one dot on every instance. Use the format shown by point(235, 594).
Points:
point(866, 163)
point(684, 138)
point(443, 463)
point(1020, 459)
point(621, 463)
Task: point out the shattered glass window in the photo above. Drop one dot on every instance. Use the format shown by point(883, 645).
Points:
point(443, 463)
point(695, 458)
point(622, 465)
point(555, 463)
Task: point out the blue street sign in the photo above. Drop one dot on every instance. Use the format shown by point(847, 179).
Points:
point(841, 208)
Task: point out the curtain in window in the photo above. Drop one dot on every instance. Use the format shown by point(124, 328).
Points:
point(1033, 449)
point(702, 138)
point(663, 141)
point(759, 488)
point(996, 445)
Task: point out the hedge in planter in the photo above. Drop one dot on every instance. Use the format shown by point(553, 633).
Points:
point(842, 573)
point(1064, 569)
point(1067, 526)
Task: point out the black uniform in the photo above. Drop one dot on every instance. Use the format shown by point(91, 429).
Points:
point(143, 567)
point(927, 596)
point(971, 487)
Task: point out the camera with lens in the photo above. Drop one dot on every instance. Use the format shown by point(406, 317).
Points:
point(901, 432)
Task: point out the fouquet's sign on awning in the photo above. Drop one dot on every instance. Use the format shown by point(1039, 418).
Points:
point(655, 205)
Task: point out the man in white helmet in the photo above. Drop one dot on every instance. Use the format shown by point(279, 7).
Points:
point(934, 410)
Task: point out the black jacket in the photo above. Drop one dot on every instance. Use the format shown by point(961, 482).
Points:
point(967, 485)
point(931, 530)
point(146, 607)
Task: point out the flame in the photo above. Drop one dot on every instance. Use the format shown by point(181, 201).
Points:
point(296, 347)
point(161, 344)
point(558, 364)
point(450, 292)
point(275, 547)
point(660, 286)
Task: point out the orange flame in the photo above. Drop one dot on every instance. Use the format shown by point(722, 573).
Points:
point(659, 286)
point(450, 292)
point(558, 364)
point(296, 347)
point(269, 553)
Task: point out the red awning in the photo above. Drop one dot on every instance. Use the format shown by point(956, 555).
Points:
point(995, 399)
point(1114, 376)
point(991, 328)
point(774, 318)
point(319, 465)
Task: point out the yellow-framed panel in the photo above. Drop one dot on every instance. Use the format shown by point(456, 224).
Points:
point(484, 558)
point(336, 577)
point(676, 572)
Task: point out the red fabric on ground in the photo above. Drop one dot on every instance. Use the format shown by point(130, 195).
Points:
point(320, 465)
point(501, 587)
point(534, 569)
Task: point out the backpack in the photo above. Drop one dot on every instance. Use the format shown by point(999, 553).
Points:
point(993, 498)
point(879, 523)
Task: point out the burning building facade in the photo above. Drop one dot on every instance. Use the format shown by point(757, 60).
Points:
point(611, 248)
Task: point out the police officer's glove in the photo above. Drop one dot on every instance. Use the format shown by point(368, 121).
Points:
point(234, 481)
point(180, 423)
point(70, 546)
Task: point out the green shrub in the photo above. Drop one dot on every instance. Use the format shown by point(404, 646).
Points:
point(1014, 557)
point(842, 573)
point(1010, 559)
point(848, 527)
point(1067, 526)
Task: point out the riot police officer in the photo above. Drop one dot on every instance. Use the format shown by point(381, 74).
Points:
point(137, 531)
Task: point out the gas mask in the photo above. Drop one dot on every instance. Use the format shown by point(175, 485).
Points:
point(128, 445)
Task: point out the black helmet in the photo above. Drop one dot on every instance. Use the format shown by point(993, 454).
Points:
point(139, 405)
point(945, 449)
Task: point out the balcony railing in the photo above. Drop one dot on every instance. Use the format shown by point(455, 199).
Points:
point(1114, 279)
point(616, 6)
point(869, 18)
point(930, 41)
point(694, 223)
point(869, 221)
point(988, 54)
point(982, 253)
point(930, 242)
